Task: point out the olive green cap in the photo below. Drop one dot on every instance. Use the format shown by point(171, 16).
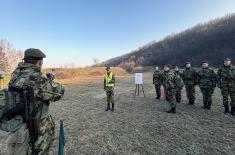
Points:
point(33, 53)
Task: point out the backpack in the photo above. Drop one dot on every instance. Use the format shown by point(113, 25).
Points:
point(10, 121)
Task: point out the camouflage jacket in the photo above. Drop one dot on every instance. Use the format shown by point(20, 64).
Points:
point(45, 90)
point(226, 77)
point(157, 77)
point(169, 80)
point(206, 78)
point(178, 80)
point(189, 76)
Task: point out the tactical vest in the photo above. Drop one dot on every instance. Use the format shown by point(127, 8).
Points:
point(108, 79)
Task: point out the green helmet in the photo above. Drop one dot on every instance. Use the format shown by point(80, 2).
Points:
point(33, 53)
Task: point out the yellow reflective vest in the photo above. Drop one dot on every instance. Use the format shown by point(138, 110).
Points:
point(109, 80)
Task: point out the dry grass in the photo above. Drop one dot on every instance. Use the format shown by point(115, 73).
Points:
point(140, 126)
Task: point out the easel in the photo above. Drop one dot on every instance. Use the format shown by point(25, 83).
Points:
point(137, 89)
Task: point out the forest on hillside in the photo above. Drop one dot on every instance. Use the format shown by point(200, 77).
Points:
point(210, 41)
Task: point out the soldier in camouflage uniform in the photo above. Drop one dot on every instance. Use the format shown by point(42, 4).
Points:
point(207, 82)
point(226, 82)
point(189, 77)
point(45, 90)
point(179, 84)
point(157, 82)
point(109, 83)
point(168, 82)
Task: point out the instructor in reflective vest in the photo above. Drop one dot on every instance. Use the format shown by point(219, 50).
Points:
point(109, 82)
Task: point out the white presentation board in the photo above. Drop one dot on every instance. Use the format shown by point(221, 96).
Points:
point(138, 78)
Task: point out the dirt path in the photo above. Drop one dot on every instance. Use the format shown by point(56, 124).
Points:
point(140, 126)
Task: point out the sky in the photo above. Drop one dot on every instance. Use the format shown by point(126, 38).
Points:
point(78, 31)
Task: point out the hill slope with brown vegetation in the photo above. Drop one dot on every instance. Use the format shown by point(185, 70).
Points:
point(213, 41)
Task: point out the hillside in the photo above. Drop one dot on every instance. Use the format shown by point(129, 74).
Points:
point(213, 41)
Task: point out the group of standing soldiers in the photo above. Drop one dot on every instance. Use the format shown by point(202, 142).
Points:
point(173, 81)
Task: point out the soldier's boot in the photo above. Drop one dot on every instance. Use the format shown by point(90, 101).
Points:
point(158, 96)
point(112, 107)
point(204, 105)
point(232, 111)
point(226, 109)
point(178, 99)
point(108, 107)
point(191, 102)
point(172, 110)
point(209, 105)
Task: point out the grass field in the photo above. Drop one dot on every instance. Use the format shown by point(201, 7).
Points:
point(139, 126)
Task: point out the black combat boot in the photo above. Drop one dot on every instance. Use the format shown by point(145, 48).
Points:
point(191, 102)
point(204, 105)
point(232, 111)
point(112, 107)
point(172, 110)
point(209, 105)
point(178, 100)
point(158, 97)
point(108, 107)
point(226, 109)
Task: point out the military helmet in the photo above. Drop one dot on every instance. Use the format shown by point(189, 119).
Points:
point(33, 53)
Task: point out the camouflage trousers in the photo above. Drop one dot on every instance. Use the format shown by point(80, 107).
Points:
point(170, 97)
point(226, 93)
point(18, 142)
point(158, 90)
point(207, 94)
point(190, 91)
point(178, 95)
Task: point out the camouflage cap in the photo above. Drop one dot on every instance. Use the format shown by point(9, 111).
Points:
point(227, 59)
point(34, 54)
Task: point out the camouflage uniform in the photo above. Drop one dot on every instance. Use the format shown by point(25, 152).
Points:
point(207, 82)
point(168, 82)
point(45, 91)
point(109, 88)
point(157, 82)
point(179, 86)
point(226, 82)
point(189, 78)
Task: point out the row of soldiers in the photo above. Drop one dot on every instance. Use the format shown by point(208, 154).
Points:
point(207, 80)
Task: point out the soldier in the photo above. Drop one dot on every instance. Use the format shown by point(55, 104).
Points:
point(45, 90)
point(179, 84)
point(207, 82)
point(226, 82)
point(189, 78)
point(1, 80)
point(168, 82)
point(157, 82)
point(109, 83)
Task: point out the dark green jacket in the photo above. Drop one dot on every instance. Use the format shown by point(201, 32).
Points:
point(157, 77)
point(178, 80)
point(189, 76)
point(226, 77)
point(206, 78)
point(169, 80)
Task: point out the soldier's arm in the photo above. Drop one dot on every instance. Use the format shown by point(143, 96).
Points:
point(214, 78)
point(104, 83)
point(50, 91)
point(113, 79)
